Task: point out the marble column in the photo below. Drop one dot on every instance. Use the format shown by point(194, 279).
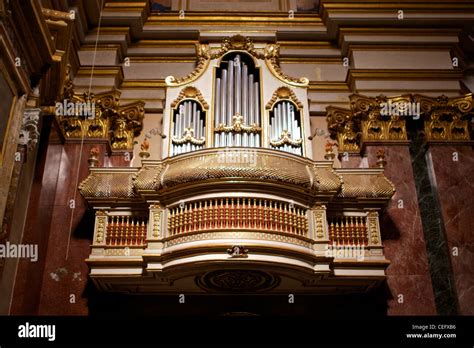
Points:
point(450, 167)
point(408, 276)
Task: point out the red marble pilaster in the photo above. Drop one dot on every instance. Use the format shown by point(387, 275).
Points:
point(404, 243)
point(45, 287)
point(455, 191)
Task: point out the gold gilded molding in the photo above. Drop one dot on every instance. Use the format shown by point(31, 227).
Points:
point(193, 93)
point(188, 137)
point(100, 226)
point(285, 138)
point(371, 119)
point(343, 126)
point(202, 62)
point(205, 53)
point(272, 59)
point(238, 126)
point(127, 125)
point(375, 125)
point(446, 119)
point(196, 170)
point(365, 184)
point(319, 222)
point(283, 93)
point(99, 116)
point(373, 228)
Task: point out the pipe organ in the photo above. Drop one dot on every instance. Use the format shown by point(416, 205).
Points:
point(189, 125)
point(264, 208)
point(285, 128)
point(237, 103)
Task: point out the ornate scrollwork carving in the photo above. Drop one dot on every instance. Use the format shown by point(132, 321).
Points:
point(285, 138)
point(344, 127)
point(127, 125)
point(29, 133)
point(238, 126)
point(205, 54)
point(446, 119)
point(272, 59)
point(188, 137)
point(283, 93)
point(100, 116)
point(202, 62)
point(379, 120)
point(190, 92)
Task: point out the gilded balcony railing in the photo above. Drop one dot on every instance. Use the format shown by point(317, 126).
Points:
point(348, 230)
point(126, 231)
point(237, 214)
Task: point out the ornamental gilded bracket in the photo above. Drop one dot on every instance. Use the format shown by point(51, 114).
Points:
point(446, 119)
point(99, 117)
point(383, 120)
point(382, 117)
point(344, 127)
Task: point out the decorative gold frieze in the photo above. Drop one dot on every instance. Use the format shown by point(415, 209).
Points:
point(155, 218)
point(205, 54)
point(100, 226)
point(446, 119)
point(373, 228)
point(320, 228)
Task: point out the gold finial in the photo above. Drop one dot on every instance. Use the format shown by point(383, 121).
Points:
point(93, 160)
point(144, 147)
point(329, 153)
point(381, 162)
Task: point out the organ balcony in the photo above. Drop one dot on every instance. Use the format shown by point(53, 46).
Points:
point(237, 220)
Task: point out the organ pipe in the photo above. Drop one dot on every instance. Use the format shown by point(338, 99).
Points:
point(237, 101)
point(285, 131)
point(188, 128)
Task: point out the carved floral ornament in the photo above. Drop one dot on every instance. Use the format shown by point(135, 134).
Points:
point(383, 120)
point(205, 53)
point(283, 93)
point(99, 116)
point(191, 93)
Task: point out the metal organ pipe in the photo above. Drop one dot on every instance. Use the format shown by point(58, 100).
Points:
point(245, 86)
point(257, 111)
point(223, 118)
point(217, 111)
point(188, 115)
point(237, 92)
point(230, 99)
point(251, 108)
point(285, 117)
